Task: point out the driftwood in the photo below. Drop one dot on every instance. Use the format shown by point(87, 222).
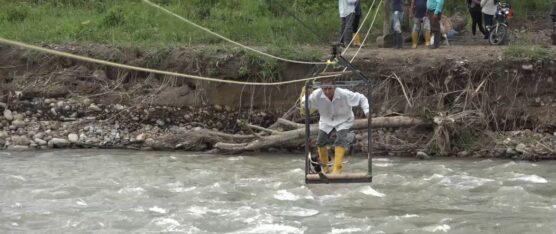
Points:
point(297, 135)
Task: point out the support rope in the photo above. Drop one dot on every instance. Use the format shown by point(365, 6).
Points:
point(148, 70)
point(227, 39)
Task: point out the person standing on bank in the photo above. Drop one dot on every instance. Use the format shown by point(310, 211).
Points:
point(421, 23)
point(476, 16)
point(489, 10)
point(347, 14)
point(356, 37)
point(435, 8)
point(397, 19)
point(336, 116)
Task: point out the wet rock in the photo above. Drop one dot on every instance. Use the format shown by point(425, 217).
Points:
point(3, 105)
point(58, 143)
point(20, 140)
point(8, 115)
point(73, 138)
point(18, 147)
point(463, 154)
point(422, 155)
point(40, 142)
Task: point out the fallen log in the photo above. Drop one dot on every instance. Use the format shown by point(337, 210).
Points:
point(297, 134)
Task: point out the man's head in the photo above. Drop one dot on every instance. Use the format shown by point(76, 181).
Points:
point(328, 88)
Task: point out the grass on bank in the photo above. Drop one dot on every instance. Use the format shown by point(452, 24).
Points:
point(259, 23)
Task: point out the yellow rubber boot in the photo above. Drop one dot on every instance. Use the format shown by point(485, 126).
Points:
point(339, 153)
point(427, 38)
point(357, 39)
point(414, 39)
point(323, 155)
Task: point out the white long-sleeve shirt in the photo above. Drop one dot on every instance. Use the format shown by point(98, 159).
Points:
point(489, 7)
point(346, 7)
point(337, 114)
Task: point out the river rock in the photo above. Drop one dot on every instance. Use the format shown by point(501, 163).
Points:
point(94, 107)
point(40, 142)
point(160, 123)
point(20, 140)
point(73, 138)
point(86, 102)
point(422, 155)
point(463, 154)
point(18, 123)
point(3, 135)
point(140, 138)
point(18, 147)
point(58, 143)
point(8, 115)
point(521, 148)
point(510, 151)
point(119, 107)
point(39, 135)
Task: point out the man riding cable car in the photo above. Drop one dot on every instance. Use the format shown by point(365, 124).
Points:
point(334, 105)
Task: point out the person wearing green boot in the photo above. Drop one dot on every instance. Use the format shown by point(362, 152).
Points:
point(421, 23)
point(335, 105)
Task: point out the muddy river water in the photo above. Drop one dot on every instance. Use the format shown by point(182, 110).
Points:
point(76, 191)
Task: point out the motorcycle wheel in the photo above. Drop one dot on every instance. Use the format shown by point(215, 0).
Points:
point(498, 35)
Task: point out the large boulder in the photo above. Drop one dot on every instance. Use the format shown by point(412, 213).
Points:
point(58, 143)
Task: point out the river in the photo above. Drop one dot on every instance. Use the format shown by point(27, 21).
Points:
point(73, 191)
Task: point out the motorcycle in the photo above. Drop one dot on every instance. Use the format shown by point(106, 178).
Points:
point(499, 32)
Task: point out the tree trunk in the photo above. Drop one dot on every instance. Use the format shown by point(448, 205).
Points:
point(297, 135)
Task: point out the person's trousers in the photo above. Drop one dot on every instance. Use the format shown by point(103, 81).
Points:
point(489, 22)
point(477, 21)
point(421, 24)
point(435, 28)
point(356, 21)
point(342, 138)
point(347, 29)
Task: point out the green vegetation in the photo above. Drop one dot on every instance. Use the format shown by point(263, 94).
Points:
point(530, 51)
point(263, 23)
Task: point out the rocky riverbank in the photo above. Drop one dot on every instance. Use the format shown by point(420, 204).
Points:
point(43, 124)
point(69, 123)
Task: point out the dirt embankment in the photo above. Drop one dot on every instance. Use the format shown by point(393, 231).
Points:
point(58, 102)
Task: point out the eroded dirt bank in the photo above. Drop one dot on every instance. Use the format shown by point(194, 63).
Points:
point(478, 101)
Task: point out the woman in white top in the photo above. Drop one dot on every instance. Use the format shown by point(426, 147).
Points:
point(489, 10)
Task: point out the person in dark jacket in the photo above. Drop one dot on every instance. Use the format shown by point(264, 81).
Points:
point(397, 19)
point(475, 10)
